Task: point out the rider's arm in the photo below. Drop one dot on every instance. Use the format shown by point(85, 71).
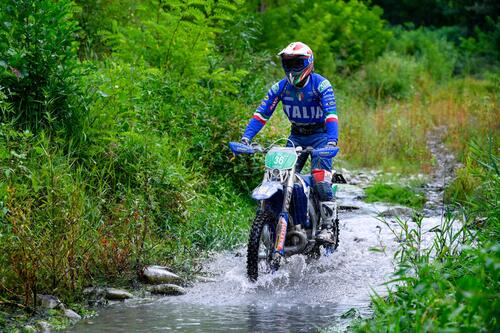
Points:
point(264, 111)
point(329, 107)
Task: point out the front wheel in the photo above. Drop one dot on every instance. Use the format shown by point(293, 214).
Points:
point(260, 245)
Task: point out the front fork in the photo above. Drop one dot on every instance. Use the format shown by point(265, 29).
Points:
point(283, 221)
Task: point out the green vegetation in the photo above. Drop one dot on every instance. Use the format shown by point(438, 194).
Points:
point(402, 195)
point(453, 284)
point(129, 167)
point(115, 118)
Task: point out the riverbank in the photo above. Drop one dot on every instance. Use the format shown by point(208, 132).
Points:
point(453, 282)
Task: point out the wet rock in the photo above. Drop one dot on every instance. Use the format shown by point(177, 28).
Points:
point(95, 296)
point(351, 313)
point(117, 294)
point(167, 289)
point(29, 329)
point(99, 295)
point(72, 314)
point(49, 302)
point(205, 279)
point(43, 326)
point(355, 181)
point(349, 191)
point(348, 207)
point(94, 292)
point(160, 274)
point(397, 211)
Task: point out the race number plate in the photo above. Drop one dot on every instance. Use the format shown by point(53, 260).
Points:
point(281, 158)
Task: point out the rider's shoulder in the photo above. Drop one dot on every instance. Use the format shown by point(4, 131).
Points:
point(320, 82)
point(278, 86)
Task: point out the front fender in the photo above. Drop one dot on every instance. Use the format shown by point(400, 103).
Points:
point(266, 190)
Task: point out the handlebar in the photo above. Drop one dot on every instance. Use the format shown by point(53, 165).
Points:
point(240, 148)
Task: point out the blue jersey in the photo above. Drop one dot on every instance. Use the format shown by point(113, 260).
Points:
point(314, 103)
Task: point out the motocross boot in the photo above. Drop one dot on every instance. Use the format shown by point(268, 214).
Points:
point(328, 216)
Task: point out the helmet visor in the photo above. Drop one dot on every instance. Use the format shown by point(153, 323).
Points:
point(294, 64)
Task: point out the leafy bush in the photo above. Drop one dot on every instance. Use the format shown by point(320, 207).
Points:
point(481, 50)
point(38, 63)
point(392, 76)
point(428, 47)
point(343, 35)
point(143, 183)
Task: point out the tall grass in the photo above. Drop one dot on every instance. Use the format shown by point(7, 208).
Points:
point(389, 107)
point(393, 134)
point(64, 226)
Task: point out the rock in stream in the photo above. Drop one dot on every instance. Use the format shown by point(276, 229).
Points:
point(167, 289)
point(159, 274)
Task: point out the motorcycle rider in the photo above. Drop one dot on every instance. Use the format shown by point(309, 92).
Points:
point(309, 103)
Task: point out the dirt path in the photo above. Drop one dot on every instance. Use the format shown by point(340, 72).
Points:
point(443, 173)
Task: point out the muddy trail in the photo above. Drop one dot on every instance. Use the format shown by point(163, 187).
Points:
point(303, 296)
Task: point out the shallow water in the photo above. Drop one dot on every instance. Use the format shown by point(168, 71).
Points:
point(301, 297)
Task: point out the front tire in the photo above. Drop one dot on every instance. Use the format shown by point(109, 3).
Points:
point(260, 245)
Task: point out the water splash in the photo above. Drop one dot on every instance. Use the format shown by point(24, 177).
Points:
point(302, 296)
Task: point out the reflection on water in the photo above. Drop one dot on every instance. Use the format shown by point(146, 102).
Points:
point(161, 317)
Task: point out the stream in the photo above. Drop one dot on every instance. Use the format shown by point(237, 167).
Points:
point(301, 297)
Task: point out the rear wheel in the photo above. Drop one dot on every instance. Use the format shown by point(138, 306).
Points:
point(336, 231)
point(315, 252)
point(260, 245)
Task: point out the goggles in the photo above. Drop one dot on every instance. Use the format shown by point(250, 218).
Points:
point(293, 64)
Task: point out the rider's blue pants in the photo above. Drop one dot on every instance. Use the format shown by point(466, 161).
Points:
point(316, 140)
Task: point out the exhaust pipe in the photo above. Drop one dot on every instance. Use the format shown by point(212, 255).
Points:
point(300, 246)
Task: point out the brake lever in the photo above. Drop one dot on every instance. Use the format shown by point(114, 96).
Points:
point(257, 147)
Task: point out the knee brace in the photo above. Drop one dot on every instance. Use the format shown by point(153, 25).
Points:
point(323, 184)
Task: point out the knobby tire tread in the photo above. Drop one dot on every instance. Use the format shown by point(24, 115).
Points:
point(337, 231)
point(261, 218)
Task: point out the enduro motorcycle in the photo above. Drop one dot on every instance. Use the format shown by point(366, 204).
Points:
point(289, 214)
